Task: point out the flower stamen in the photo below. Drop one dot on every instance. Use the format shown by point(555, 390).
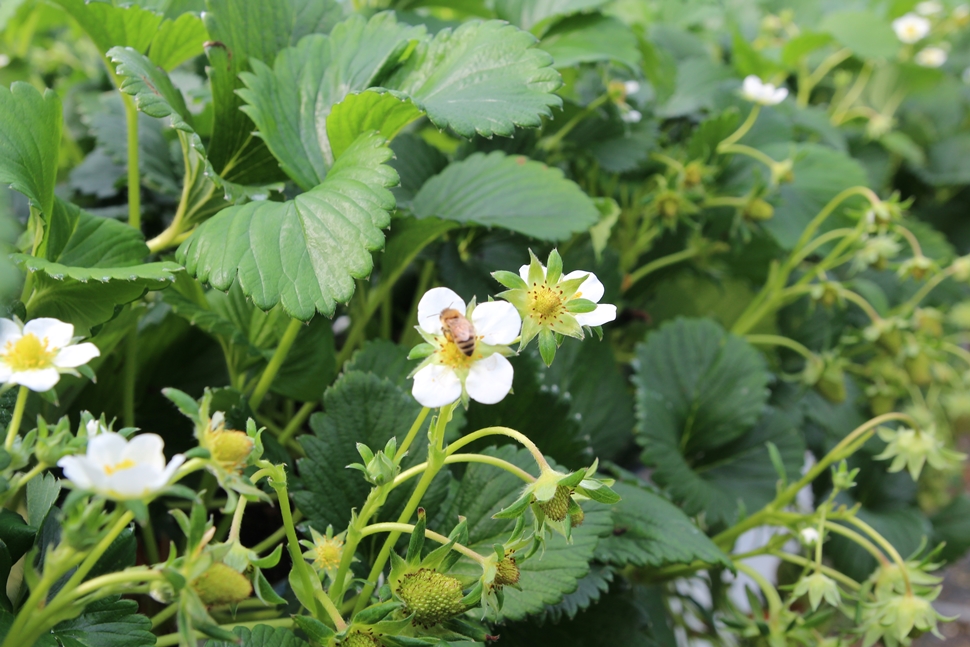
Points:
point(28, 353)
point(126, 464)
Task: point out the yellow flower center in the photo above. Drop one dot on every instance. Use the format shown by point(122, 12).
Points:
point(450, 355)
point(545, 302)
point(328, 552)
point(28, 353)
point(126, 464)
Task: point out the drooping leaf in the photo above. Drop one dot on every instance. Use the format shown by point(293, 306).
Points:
point(590, 39)
point(291, 102)
point(512, 192)
point(109, 622)
point(483, 77)
point(649, 530)
point(30, 137)
point(359, 408)
point(304, 253)
point(483, 491)
point(94, 266)
point(537, 15)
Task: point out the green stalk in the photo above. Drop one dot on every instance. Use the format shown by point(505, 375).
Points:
point(375, 528)
point(18, 414)
point(742, 130)
point(134, 178)
point(633, 277)
point(275, 362)
point(778, 340)
point(296, 422)
point(501, 431)
point(468, 458)
point(131, 376)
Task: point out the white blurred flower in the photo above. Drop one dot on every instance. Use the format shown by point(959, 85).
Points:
point(448, 373)
point(341, 324)
point(631, 87)
point(4, 60)
point(808, 536)
point(929, 8)
point(756, 90)
point(120, 469)
point(911, 28)
point(631, 116)
point(966, 76)
point(95, 428)
point(36, 353)
point(930, 57)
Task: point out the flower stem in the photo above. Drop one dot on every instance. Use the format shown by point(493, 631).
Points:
point(164, 614)
point(18, 414)
point(798, 560)
point(275, 362)
point(131, 376)
point(741, 131)
point(778, 340)
point(861, 541)
point(296, 422)
point(468, 458)
point(771, 594)
point(886, 546)
point(753, 153)
point(553, 140)
point(501, 431)
point(927, 287)
point(134, 178)
point(633, 277)
point(375, 528)
point(412, 432)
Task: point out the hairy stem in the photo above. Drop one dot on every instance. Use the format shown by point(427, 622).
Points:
point(18, 414)
point(375, 528)
point(275, 362)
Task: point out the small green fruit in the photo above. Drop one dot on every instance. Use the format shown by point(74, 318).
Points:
point(577, 517)
point(220, 584)
point(506, 572)
point(431, 596)
point(557, 507)
point(360, 639)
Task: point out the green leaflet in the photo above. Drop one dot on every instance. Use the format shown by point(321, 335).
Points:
point(483, 77)
point(589, 39)
point(262, 636)
point(109, 622)
point(288, 100)
point(538, 15)
point(177, 41)
point(304, 253)
point(483, 491)
point(366, 112)
point(649, 530)
point(507, 191)
point(30, 137)
point(109, 26)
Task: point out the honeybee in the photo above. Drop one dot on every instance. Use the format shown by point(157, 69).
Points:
point(459, 330)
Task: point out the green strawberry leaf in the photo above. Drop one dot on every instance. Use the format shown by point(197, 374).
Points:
point(262, 636)
point(288, 101)
point(109, 622)
point(109, 26)
point(483, 77)
point(591, 39)
point(538, 15)
point(366, 112)
point(178, 41)
point(512, 192)
point(30, 138)
point(304, 253)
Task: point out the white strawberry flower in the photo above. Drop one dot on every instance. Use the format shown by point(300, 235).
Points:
point(121, 469)
point(756, 90)
point(930, 57)
point(929, 8)
point(447, 373)
point(911, 28)
point(35, 354)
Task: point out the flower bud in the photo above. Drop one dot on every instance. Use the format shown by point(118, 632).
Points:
point(231, 448)
point(758, 209)
point(431, 596)
point(577, 517)
point(557, 507)
point(220, 584)
point(918, 368)
point(831, 384)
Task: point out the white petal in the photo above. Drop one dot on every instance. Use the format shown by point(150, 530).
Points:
point(39, 380)
point(604, 313)
point(524, 273)
point(435, 386)
point(146, 450)
point(57, 333)
point(132, 483)
point(169, 471)
point(497, 322)
point(107, 448)
point(432, 303)
point(77, 355)
point(490, 379)
point(751, 87)
point(77, 471)
point(9, 331)
point(592, 288)
point(5, 373)
point(779, 95)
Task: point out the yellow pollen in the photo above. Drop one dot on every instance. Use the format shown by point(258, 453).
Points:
point(328, 553)
point(450, 355)
point(28, 353)
point(545, 301)
point(126, 464)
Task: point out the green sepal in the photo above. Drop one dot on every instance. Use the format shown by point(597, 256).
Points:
point(416, 543)
point(270, 560)
point(436, 558)
point(425, 335)
point(536, 275)
point(574, 479)
point(517, 508)
point(398, 568)
point(474, 597)
point(264, 590)
point(458, 535)
point(393, 626)
point(565, 325)
point(185, 403)
point(316, 631)
point(518, 298)
point(571, 287)
point(421, 351)
point(511, 280)
point(376, 612)
point(529, 331)
point(553, 267)
point(305, 597)
point(579, 306)
point(198, 452)
point(547, 346)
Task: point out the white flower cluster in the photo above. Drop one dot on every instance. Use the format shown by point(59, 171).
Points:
point(756, 90)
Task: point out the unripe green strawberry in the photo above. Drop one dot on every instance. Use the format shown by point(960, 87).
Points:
point(506, 571)
point(431, 596)
point(832, 383)
point(557, 507)
point(577, 517)
point(360, 639)
point(220, 584)
point(758, 209)
point(919, 368)
point(231, 448)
